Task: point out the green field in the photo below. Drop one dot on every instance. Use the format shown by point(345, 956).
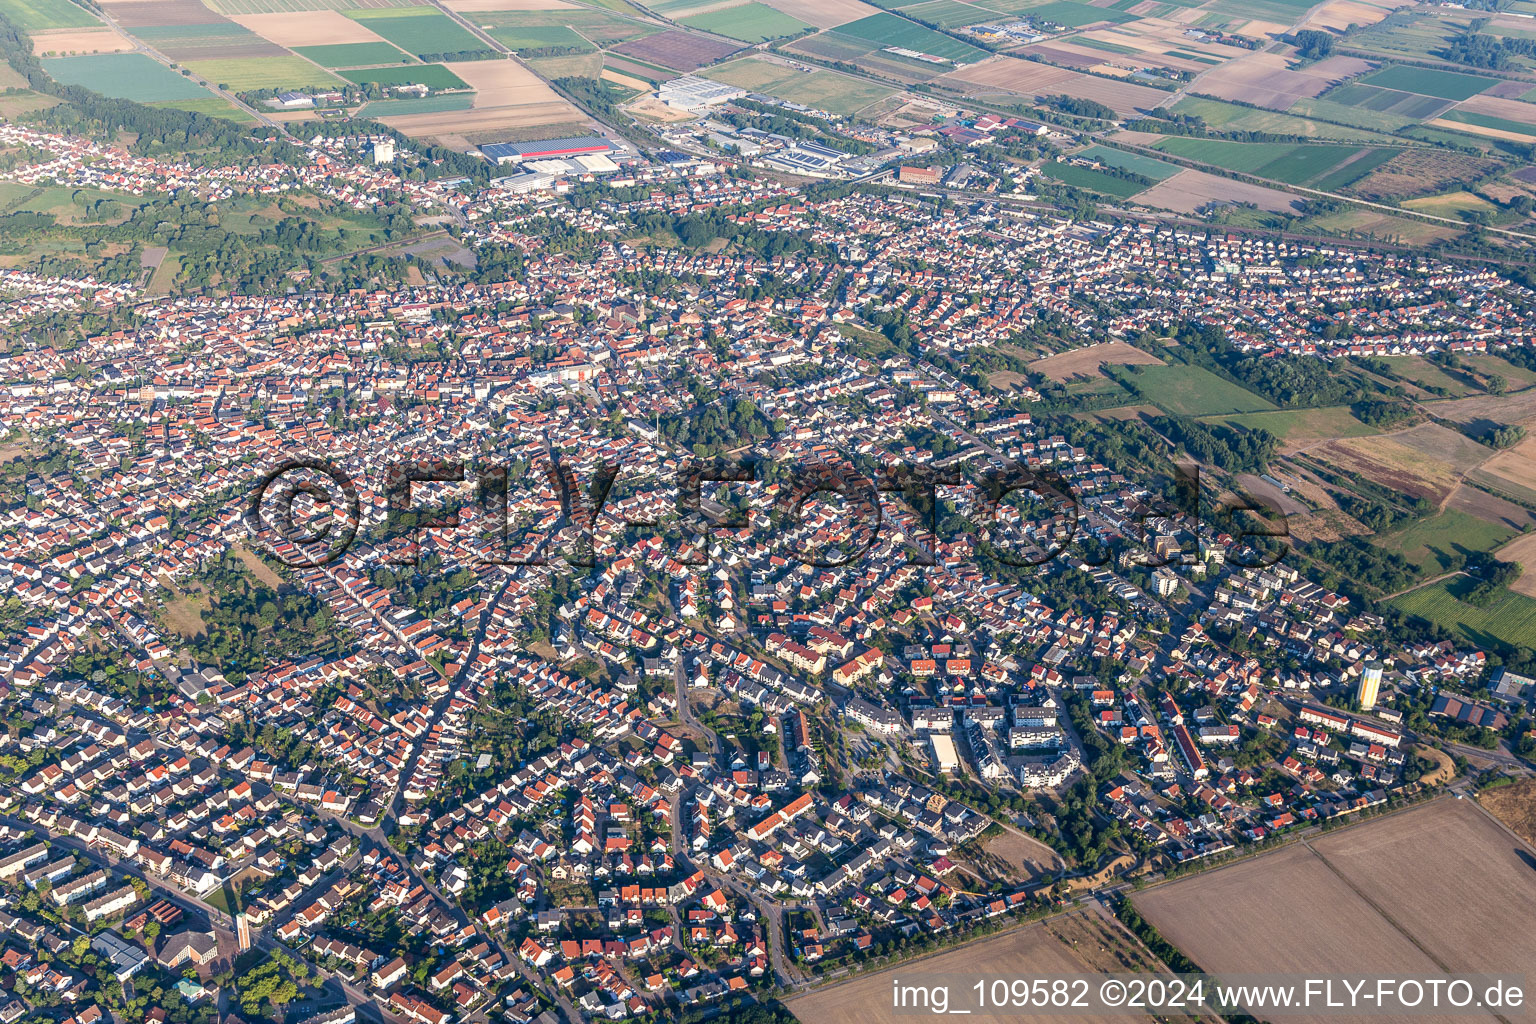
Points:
point(1302, 424)
point(598, 27)
point(352, 55)
point(1075, 15)
point(1448, 85)
point(1511, 618)
point(34, 15)
point(1097, 181)
point(1218, 114)
point(213, 106)
point(1292, 163)
point(1193, 391)
point(241, 73)
point(1136, 163)
point(126, 76)
point(418, 30)
point(826, 90)
point(947, 13)
point(433, 76)
point(1436, 545)
point(886, 29)
point(425, 105)
point(535, 37)
point(1503, 124)
point(751, 23)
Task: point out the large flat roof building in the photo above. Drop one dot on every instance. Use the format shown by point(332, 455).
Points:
point(545, 149)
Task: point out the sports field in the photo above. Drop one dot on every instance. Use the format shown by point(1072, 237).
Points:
point(1136, 163)
point(419, 30)
point(124, 76)
point(1193, 391)
point(352, 55)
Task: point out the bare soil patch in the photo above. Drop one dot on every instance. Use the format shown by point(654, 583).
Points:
point(1085, 362)
point(308, 28)
point(1515, 806)
point(1523, 551)
point(79, 40)
point(1190, 190)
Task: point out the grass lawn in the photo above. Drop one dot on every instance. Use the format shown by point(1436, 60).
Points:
point(124, 76)
point(1434, 544)
point(213, 106)
point(425, 105)
point(352, 55)
point(1097, 181)
point(1511, 618)
point(418, 30)
point(241, 73)
point(1299, 425)
point(1136, 163)
point(1193, 391)
point(33, 15)
point(751, 23)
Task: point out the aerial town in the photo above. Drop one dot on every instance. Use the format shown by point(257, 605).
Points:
point(692, 574)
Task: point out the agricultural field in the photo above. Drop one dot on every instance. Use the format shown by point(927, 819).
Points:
point(1416, 171)
point(1189, 191)
point(832, 91)
point(582, 29)
point(244, 7)
point(218, 40)
point(1515, 806)
point(1087, 361)
point(1510, 618)
point(1437, 544)
point(1268, 80)
point(213, 106)
point(886, 29)
point(127, 76)
point(60, 42)
point(1296, 427)
point(1323, 165)
point(353, 55)
point(1436, 885)
point(309, 28)
point(750, 22)
point(823, 13)
point(1032, 79)
point(1449, 85)
point(1427, 461)
point(1136, 163)
point(1512, 472)
point(419, 30)
point(1071, 14)
point(34, 15)
point(1092, 180)
point(1194, 391)
point(1075, 944)
point(424, 105)
point(433, 76)
point(681, 51)
point(1234, 117)
point(246, 73)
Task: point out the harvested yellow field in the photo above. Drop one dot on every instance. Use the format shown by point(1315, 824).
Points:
point(1343, 13)
point(79, 40)
point(1085, 362)
point(1436, 888)
point(482, 119)
point(505, 83)
point(1478, 129)
point(1020, 953)
point(1523, 551)
point(1032, 78)
point(1515, 806)
point(307, 28)
point(627, 81)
